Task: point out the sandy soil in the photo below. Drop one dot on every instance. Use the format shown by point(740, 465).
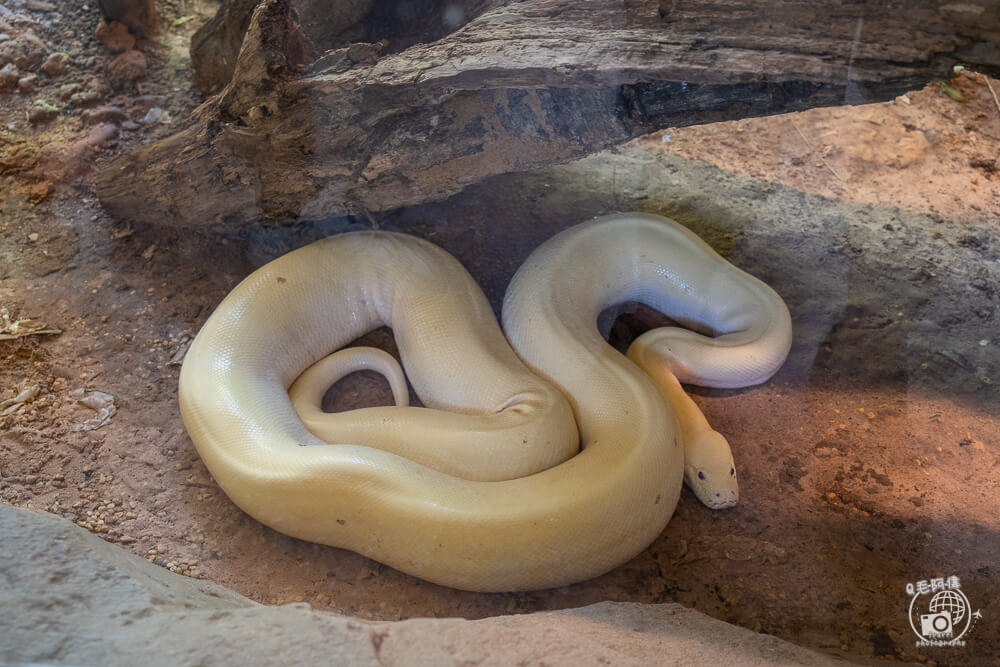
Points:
point(868, 463)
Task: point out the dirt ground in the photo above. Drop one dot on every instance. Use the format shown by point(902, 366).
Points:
point(870, 461)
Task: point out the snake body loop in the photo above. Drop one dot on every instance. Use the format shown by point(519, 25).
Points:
point(400, 486)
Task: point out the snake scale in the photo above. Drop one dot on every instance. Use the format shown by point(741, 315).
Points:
point(523, 471)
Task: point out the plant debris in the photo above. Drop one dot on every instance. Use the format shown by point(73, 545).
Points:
point(12, 405)
point(100, 402)
point(11, 329)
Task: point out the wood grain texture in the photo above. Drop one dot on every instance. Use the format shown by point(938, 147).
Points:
point(305, 131)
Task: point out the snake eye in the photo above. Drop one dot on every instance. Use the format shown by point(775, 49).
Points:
point(701, 475)
point(732, 472)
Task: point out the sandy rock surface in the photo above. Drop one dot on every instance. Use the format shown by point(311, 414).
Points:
point(81, 600)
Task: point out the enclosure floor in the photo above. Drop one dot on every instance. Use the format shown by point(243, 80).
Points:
point(869, 462)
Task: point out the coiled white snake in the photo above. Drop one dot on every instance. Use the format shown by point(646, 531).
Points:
point(407, 486)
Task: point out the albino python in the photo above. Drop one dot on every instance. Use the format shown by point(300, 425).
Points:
point(510, 478)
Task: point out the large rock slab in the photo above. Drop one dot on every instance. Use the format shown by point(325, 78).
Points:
point(68, 597)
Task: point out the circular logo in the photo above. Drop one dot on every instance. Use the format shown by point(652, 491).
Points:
point(945, 618)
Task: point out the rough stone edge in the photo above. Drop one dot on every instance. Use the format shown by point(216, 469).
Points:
point(71, 598)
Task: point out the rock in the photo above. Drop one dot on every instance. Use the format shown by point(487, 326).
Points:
point(141, 104)
point(25, 50)
point(8, 77)
point(115, 37)
point(101, 134)
point(38, 192)
point(105, 114)
point(18, 157)
point(26, 84)
point(94, 91)
point(155, 115)
point(127, 68)
point(55, 64)
point(66, 91)
point(71, 598)
point(138, 15)
point(41, 112)
point(85, 99)
point(61, 162)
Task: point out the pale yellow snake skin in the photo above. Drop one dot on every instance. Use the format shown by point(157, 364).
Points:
point(409, 488)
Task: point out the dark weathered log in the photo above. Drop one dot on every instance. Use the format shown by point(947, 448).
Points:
point(328, 25)
point(364, 128)
point(216, 44)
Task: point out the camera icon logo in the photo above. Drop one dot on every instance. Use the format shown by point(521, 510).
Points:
point(936, 625)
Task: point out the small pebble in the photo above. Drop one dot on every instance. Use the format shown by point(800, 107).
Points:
point(144, 103)
point(66, 91)
point(39, 192)
point(154, 115)
point(127, 68)
point(92, 92)
point(105, 114)
point(26, 84)
point(115, 37)
point(41, 111)
point(56, 64)
point(9, 77)
point(25, 50)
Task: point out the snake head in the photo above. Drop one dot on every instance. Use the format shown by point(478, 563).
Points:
point(709, 470)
